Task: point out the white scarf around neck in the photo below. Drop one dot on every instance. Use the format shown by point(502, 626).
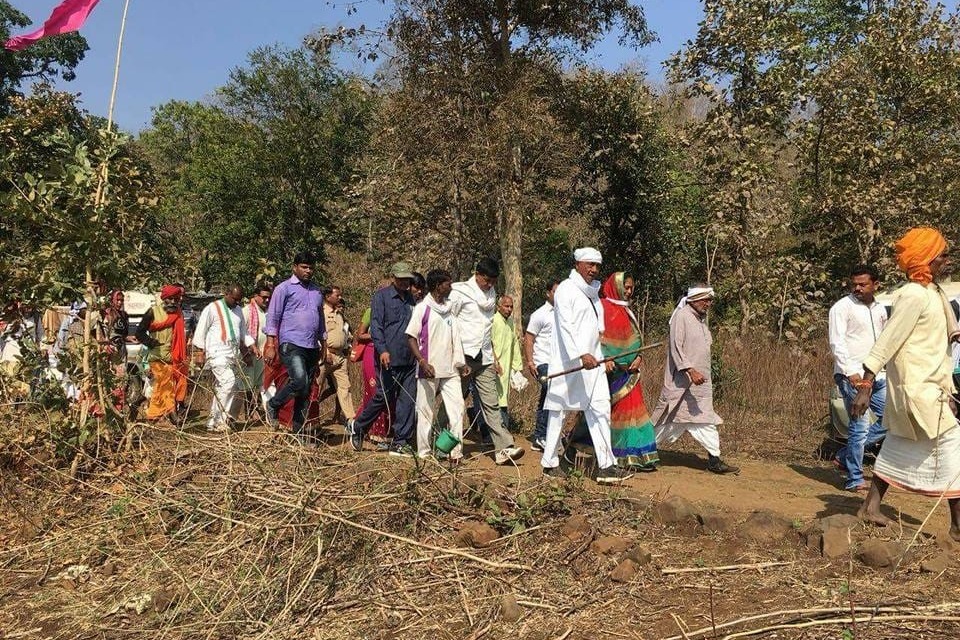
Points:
point(591, 290)
point(486, 300)
point(443, 308)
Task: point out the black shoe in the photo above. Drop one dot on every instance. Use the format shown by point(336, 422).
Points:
point(718, 466)
point(612, 475)
point(401, 450)
point(537, 444)
point(356, 435)
point(554, 472)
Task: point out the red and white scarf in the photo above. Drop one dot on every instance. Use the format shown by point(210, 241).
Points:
point(253, 321)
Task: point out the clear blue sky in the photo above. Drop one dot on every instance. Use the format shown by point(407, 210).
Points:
point(184, 49)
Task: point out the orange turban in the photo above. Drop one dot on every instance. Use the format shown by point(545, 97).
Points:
point(916, 250)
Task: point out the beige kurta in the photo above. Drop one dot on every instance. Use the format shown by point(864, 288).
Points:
point(681, 402)
point(915, 348)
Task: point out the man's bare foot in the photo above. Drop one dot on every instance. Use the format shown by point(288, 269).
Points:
point(955, 533)
point(877, 519)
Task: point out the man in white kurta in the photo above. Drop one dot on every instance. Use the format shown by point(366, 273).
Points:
point(578, 323)
point(221, 339)
point(855, 322)
point(435, 342)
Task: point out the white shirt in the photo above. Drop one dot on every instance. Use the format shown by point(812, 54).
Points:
point(475, 323)
point(541, 328)
point(219, 331)
point(854, 328)
point(438, 337)
point(578, 323)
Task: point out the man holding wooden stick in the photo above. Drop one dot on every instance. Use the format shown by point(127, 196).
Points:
point(686, 399)
point(578, 323)
point(921, 453)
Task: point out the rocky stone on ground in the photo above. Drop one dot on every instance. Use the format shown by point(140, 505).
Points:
point(509, 609)
point(625, 571)
point(878, 554)
point(476, 535)
point(840, 520)
point(765, 527)
point(639, 555)
point(716, 521)
point(937, 564)
point(576, 528)
point(835, 542)
point(677, 511)
point(607, 545)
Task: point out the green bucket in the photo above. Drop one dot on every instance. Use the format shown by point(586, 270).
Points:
point(446, 441)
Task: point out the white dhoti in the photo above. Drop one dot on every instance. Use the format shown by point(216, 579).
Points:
point(224, 405)
point(452, 395)
point(706, 434)
point(598, 421)
point(930, 467)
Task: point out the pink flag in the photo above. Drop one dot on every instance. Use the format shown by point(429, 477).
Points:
point(68, 16)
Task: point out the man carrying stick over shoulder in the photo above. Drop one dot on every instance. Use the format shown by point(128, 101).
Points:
point(578, 323)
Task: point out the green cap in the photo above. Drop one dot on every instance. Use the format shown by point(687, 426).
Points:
point(401, 270)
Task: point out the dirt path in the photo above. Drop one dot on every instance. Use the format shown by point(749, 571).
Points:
point(801, 490)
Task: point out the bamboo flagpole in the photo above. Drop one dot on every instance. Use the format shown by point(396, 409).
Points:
point(98, 204)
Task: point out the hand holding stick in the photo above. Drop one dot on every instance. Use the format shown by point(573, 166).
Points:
point(599, 362)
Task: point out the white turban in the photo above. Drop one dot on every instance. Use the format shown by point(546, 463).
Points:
point(587, 254)
point(693, 294)
point(699, 293)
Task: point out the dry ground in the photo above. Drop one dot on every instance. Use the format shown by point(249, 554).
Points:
point(189, 536)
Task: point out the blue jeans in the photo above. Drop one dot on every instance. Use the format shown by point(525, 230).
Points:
point(540, 428)
point(301, 365)
point(397, 386)
point(859, 432)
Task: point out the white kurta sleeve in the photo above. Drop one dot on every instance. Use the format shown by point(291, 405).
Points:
point(203, 327)
point(837, 324)
point(567, 330)
point(248, 340)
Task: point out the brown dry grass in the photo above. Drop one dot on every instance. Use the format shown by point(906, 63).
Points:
point(249, 537)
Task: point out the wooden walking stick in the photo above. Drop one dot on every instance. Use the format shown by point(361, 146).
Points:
point(599, 362)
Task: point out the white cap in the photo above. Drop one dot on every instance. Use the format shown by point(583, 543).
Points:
point(587, 254)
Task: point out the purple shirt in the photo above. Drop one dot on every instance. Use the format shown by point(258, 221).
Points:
point(295, 314)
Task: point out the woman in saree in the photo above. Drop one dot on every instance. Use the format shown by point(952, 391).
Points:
point(631, 430)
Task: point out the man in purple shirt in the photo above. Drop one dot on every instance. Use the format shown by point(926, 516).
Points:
point(296, 330)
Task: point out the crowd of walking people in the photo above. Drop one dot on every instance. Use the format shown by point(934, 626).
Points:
point(427, 345)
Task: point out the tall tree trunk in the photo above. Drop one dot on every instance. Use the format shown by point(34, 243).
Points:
point(511, 239)
point(510, 252)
